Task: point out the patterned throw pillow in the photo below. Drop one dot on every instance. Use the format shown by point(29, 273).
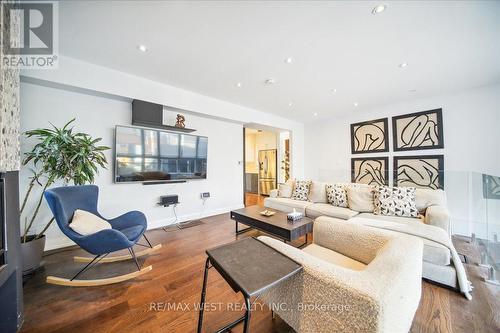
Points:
point(395, 201)
point(301, 190)
point(337, 195)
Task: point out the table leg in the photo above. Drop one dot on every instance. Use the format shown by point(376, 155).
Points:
point(203, 294)
point(242, 230)
point(247, 315)
point(303, 244)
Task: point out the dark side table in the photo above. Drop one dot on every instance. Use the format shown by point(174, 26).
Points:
point(249, 266)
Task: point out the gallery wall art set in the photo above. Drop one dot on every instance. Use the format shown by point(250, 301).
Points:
point(411, 132)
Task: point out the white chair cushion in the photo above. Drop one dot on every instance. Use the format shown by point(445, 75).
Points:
point(86, 223)
point(333, 257)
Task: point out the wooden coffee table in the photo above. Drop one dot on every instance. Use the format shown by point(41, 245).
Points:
point(276, 225)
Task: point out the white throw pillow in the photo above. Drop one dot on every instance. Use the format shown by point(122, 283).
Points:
point(360, 199)
point(285, 190)
point(318, 192)
point(395, 201)
point(426, 197)
point(337, 195)
point(86, 223)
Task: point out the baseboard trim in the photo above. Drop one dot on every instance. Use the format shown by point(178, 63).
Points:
point(61, 243)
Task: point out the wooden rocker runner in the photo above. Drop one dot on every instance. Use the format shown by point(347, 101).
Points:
point(126, 230)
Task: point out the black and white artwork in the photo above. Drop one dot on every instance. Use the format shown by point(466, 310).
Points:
point(370, 136)
point(416, 131)
point(372, 171)
point(419, 171)
point(491, 187)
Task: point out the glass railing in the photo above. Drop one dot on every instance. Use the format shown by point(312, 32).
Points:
point(485, 224)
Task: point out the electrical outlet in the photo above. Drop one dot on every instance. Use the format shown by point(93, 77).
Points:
point(205, 195)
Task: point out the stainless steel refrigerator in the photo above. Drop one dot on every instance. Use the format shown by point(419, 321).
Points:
point(267, 170)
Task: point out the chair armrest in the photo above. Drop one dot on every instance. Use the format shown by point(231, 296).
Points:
point(129, 219)
point(352, 240)
point(438, 216)
point(104, 241)
point(274, 193)
point(381, 298)
point(332, 292)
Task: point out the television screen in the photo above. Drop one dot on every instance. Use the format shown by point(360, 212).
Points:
point(143, 155)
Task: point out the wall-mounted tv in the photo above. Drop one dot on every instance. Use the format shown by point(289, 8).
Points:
point(150, 155)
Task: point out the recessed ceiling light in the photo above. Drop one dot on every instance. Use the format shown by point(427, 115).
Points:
point(239, 84)
point(356, 104)
point(270, 81)
point(290, 104)
point(289, 60)
point(142, 48)
point(315, 114)
point(334, 91)
point(378, 9)
point(403, 65)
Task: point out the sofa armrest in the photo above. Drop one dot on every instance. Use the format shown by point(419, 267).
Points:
point(438, 216)
point(274, 193)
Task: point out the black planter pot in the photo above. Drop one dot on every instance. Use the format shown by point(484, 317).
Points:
point(32, 252)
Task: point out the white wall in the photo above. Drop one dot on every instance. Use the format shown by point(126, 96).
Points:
point(471, 139)
point(97, 115)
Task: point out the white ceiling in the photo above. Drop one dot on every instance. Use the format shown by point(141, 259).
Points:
point(208, 47)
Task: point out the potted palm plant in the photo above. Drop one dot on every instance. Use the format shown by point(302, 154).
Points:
point(60, 154)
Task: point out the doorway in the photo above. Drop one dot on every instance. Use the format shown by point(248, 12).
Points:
point(266, 161)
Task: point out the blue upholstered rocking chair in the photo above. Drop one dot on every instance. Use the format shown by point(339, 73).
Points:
point(126, 230)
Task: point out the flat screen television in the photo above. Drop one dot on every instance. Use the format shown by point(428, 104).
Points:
point(150, 155)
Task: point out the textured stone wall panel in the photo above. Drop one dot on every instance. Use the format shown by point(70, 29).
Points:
point(9, 104)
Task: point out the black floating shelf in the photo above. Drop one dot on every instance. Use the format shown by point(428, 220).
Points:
point(165, 127)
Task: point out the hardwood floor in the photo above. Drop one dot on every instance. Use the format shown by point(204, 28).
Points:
point(254, 199)
point(140, 305)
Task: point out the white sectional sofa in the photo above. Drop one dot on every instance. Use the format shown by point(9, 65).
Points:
point(437, 263)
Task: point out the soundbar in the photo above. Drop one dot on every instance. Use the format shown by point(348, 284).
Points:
point(158, 182)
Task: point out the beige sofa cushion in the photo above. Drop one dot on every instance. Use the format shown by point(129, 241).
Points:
point(427, 197)
point(333, 257)
point(433, 252)
point(286, 204)
point(317, 192)
point(285, 190)
point(397, 219)
point(360, 199)
point(323, 209)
